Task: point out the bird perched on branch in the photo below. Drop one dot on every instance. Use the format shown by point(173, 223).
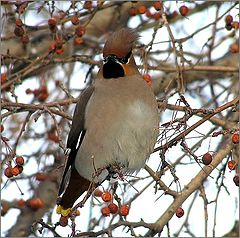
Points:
point(115, 124)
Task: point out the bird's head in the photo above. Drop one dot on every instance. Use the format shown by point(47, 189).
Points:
point(117, 53)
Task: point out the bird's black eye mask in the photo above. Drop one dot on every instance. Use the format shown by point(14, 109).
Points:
point(112, 66)
point(122, 60)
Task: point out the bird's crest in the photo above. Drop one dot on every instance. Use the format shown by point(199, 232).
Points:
point(120, 43)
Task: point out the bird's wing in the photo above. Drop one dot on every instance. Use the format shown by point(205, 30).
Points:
point(76, 135)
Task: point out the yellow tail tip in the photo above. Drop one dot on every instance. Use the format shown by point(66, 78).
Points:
point(62, 211)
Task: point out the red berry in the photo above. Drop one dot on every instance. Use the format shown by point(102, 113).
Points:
point(3, 78)
point(157, 16)
point(207, 159)
point(183, 10)
point(113, 208)
point(15, 171)
point(232, 164)
point(147, 78)
point(157, 5)
point(105, 211)
point(36, 203)
point(52, 22)
point(18, 22)
point(142, 9)
point(18, 31)
point(19, 160)
point(41, 176)
point(87, 5)
point(236, 180)
point(106, 196)
point(21, 202)
point(228, 19)
point(80, 31)
point(75, 20)
point(97, 193)
point(179, 212)
point(235, 25)
point(132, 11)
point(124, 210)
point(235, 138)
point(63, 221)
point(8, 172)
point(20, 168)
point(78, 40)
point(234, 48)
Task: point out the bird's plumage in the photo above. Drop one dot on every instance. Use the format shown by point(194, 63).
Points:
point(115, 122)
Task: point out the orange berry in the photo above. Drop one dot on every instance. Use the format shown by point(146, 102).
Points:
point(147, 78)
point(43, 96)
point(80, 31)
point(157, 5)
point(157, 16)
point(3, 78)
point(105, 211)
point(106, 196)
point(97, 193)
point(63, 221)
point(235, 25)
point(87, 5)
point(236, 180)
point(132, 11)
point(234, 48)
point(53, 137)
point(19, 160)
point(113, 208)
point(142, 9)
point(124, 210)
point(207, 159)
point(52, 47)
point(179, 212)
point(60, 51)
point(41, 176)
point(8, 172)
point(20, 168)
point(78, 40)
point(36, 203)
point(18, 22)
point(15, 171)
point(75, 20)
point(21, 202)
point(232, 164)
point(52, 22)
point(228, 19)
point(2, 128)
point(19, 31)
point(183, 10)
point(235, 138)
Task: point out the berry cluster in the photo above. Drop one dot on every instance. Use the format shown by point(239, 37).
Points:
point(41, 93)
point(110, 208)
point(16, 170)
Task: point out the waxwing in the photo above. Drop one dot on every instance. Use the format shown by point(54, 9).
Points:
point(115, 124)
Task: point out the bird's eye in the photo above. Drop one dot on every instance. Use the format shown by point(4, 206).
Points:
point(125, 60)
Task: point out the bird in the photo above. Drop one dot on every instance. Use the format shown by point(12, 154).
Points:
point(115, 123)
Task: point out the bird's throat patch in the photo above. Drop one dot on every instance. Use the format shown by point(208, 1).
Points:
point(112, 69)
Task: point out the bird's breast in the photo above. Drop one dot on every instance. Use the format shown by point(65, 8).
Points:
point(121, 123)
